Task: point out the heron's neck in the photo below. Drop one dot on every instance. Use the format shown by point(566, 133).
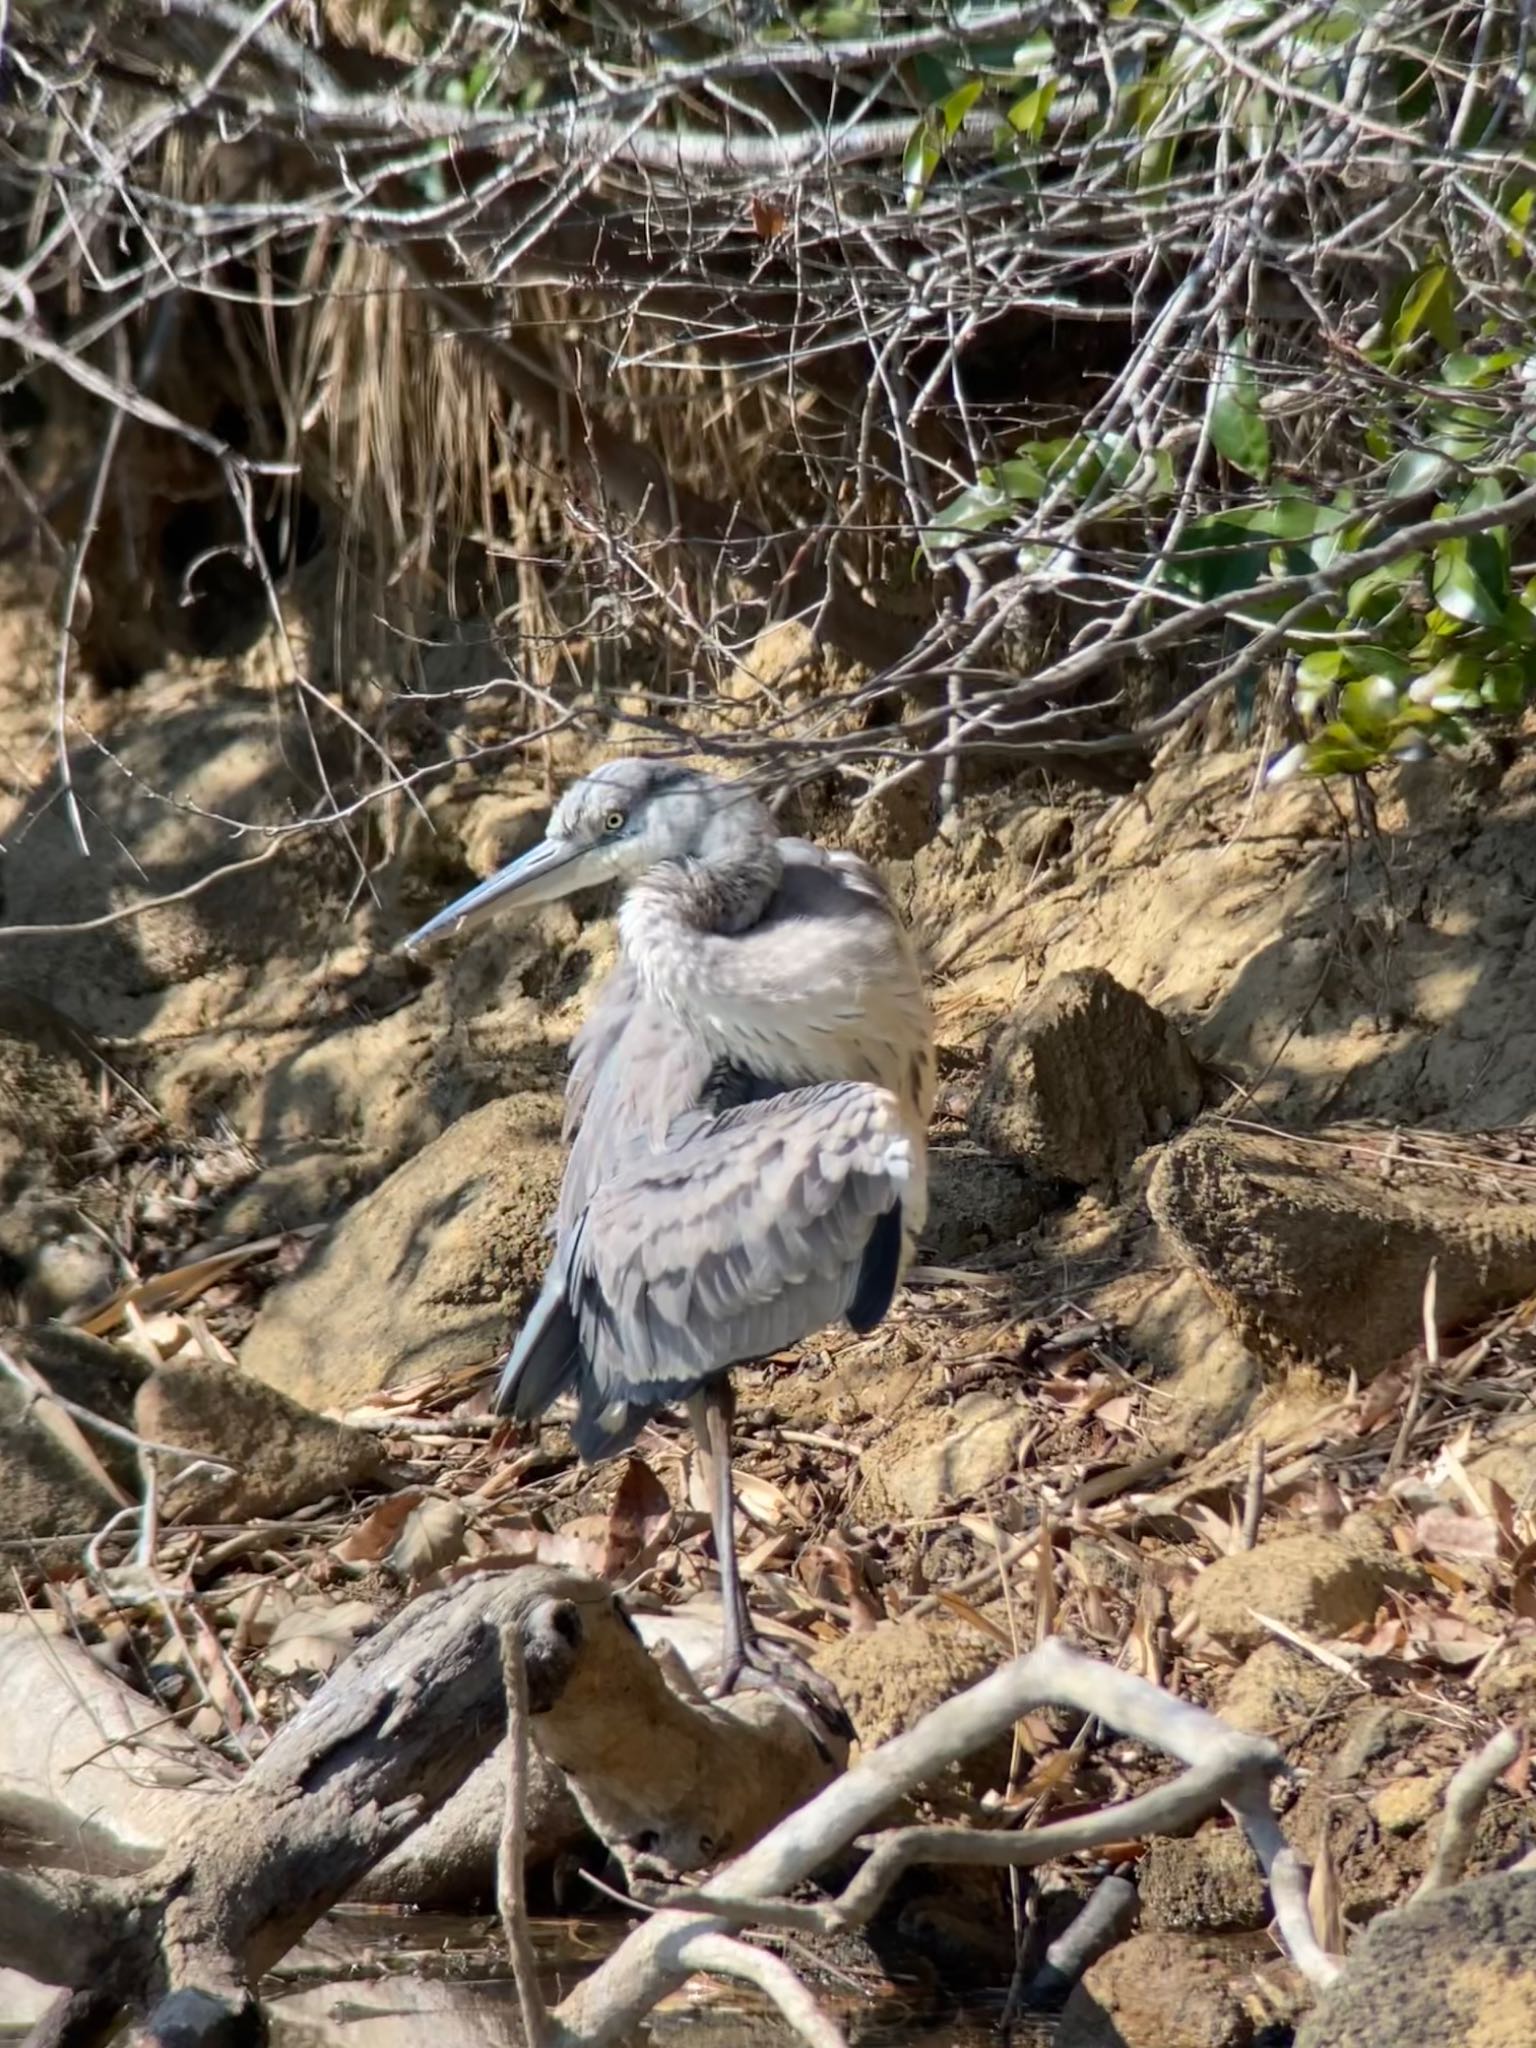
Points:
point(676, 914)
point(717, 892)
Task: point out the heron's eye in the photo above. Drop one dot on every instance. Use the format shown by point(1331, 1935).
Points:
point(614, 822)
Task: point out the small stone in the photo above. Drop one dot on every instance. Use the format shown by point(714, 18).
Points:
point(1510, 1461)
point(1275, 1688)
point(1319, 1585)
point(1404, 1804)
point(1159, 1991)
point(1207, 1883)
point(1085, 1079)
point(889, 1676)
point(915, 1472)
point(975, 1201)
point(1508, 1684)
point(284, 1455)
point(1207, 1378)
point(428, 1273)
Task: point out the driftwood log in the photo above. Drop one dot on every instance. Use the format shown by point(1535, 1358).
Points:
point(177, 1943)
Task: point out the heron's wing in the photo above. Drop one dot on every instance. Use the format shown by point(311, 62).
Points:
point(598, 1039)
point(751, 1231)
point(652, 1072)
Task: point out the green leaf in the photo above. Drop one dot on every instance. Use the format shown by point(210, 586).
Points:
point(1417, 470)
point(979, 506)
point(1022, 479)
point(853, 19)
point(920, 159)
point(1237, 426)
point(1367, 705)
point(1027, 116)
point(1340, 750)
point(1374, 595)
point(1216, 557)
point(959, 104)
point(1429, 307)
point(1468, 582)
point(1465, 372)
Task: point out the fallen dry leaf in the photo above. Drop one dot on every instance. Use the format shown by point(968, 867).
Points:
point(764, 1503)
point(415, 1532)
point(1326, 1903)
point(431, 1536)
point(375, 1537)
point(1449, 1533)
point(639, 1521)
point(830, 1572)
point(316, 1636)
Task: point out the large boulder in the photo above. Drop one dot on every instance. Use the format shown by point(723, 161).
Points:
point(428, 1273)
point(1319, 1247)
point(1087, 1077)
point(1454, 1970)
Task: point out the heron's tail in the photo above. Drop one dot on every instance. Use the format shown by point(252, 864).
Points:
point(542, 1363)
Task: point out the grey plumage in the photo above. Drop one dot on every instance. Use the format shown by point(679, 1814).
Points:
point(747, 1104)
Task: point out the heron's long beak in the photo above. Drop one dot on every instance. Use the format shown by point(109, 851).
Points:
point(548, 871)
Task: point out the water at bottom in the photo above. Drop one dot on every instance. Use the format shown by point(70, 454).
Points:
point(380, 1981)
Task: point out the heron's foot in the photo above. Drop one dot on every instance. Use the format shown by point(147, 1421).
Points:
point(786, 1672)
point(750, 1654)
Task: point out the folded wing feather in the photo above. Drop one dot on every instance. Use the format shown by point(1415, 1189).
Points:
point(747, 1232)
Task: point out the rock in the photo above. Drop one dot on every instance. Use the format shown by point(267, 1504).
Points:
point(48, 1113)
point(497, 827)
point(57, 1262)
point(1509, 1460)
point(889, 1676)
point(933, 1459)
point(1207, 1377)
point(1406, 1804)
point(975, 1201)
point(1372, 1732)
point(1208, 1883)
point(1275, 1687)
point(1508, 1684)
point(230, 752)
point(1084, 1080)
point(46, 1489)
point(1313, 1253)
point(1159, 1991)
point(1319, 1585)
point(1455, 1970)
point(47, 1101)
point(284, 1455)
point(429, 1272)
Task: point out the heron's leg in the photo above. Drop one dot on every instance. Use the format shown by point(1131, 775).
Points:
point(710, 1412)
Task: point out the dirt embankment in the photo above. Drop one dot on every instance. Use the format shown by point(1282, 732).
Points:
point(1171, 1216)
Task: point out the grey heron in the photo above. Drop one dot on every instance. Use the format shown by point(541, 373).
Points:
point(747, 1107)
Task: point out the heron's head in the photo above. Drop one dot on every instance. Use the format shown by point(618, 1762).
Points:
point(626, 817)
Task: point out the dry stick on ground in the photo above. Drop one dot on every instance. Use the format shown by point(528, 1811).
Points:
point(1253, 1504)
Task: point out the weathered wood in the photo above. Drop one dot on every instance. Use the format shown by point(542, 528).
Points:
point(386, 1741)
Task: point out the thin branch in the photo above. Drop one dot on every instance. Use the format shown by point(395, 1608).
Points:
point(511, 1901)
point(1465, 1798)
